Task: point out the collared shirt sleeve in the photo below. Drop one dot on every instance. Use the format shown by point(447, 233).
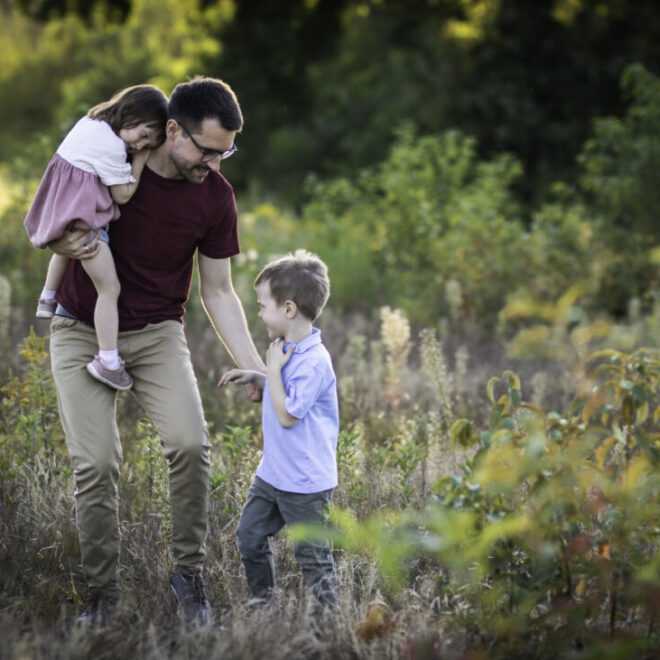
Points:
point(303, 389)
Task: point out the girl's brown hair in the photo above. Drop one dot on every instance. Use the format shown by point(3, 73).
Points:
point(139, 104)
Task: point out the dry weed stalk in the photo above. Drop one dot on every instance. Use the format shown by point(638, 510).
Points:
point(395, 335)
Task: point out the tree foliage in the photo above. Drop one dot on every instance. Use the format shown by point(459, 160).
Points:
point(431, 213)
point(324, 84)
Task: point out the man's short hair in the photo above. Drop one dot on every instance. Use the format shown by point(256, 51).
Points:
point(301, 277)
point(203, 98)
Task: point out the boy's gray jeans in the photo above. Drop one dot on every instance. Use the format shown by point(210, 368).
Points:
point(157, 357)
point(266, 511)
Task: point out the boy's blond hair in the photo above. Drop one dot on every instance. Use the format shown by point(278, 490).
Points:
point(300, 277)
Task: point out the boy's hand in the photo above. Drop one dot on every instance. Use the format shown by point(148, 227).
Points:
point(276, 358)
point(255, 392)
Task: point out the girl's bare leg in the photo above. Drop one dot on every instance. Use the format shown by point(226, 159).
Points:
point(56, 270)
point(101, 270)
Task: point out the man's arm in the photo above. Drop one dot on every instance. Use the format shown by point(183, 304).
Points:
point(226, 312)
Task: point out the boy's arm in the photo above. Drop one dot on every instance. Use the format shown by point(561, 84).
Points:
point(276, 358)
point(122, 192)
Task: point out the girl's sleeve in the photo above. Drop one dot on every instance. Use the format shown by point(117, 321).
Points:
point(94, 147)
point(112, 167)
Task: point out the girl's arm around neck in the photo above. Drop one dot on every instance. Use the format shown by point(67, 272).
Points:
point(122, 192)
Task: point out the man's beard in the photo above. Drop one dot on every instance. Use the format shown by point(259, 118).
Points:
point(194, 174)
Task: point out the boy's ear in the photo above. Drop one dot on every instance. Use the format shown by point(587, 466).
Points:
point(290, 309)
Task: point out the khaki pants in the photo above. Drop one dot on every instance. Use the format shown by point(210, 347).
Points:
point(165, 386)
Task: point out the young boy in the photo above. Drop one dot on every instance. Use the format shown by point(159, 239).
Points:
point(298, 470)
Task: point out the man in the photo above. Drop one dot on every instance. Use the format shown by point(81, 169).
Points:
point(182, 206)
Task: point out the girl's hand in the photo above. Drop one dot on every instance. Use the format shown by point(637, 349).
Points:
point(276, 358)
point(76, 243)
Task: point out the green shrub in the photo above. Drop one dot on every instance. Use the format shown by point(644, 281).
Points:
point(430, 214)
point(549, 529)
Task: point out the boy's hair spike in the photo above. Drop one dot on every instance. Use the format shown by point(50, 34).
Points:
point(132, 106)
point(301, 277)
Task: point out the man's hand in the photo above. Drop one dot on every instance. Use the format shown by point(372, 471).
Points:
point(76, 243)
point(253, 380)
point(241, 377)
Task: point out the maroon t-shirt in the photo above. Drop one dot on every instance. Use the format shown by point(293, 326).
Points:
point(153, 244)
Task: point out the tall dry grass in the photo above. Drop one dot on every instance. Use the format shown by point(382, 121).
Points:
point(400, 393)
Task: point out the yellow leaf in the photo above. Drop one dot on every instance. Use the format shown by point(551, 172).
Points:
point(580, 587)
point(656, 415)
point(603, 450)
point(490, 387)
point(533, 408)
point(583, 335)
point(607, 353)
point(525, 309)
point(572, 295)
point(591, 406)
point(638, 469)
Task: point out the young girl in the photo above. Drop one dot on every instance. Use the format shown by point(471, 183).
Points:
point(85, 180)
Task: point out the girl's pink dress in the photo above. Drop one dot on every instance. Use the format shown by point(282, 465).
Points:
point(74, 187)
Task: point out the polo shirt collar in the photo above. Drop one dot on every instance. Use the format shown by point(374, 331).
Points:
point(311, 340)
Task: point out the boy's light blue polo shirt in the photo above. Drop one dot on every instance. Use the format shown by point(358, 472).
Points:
point(303, 458)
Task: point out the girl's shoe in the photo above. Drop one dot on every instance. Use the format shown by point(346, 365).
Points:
point(120, 379)
point(46, 308)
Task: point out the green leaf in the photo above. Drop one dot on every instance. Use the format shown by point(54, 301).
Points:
point(639, 393)
point(516, 397)
point(461, 432)
point(642, 413)
point(512, 379)
point(507, 423)
point(495, 415)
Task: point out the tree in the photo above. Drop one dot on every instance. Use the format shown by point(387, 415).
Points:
point(45, 10)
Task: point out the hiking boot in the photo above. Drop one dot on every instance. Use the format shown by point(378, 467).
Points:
point(190, 594)
point(120, 379)
point(46, 308)
point(98, 612)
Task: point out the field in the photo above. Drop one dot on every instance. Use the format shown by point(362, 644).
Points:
point(477, 515)
point(494, 322)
